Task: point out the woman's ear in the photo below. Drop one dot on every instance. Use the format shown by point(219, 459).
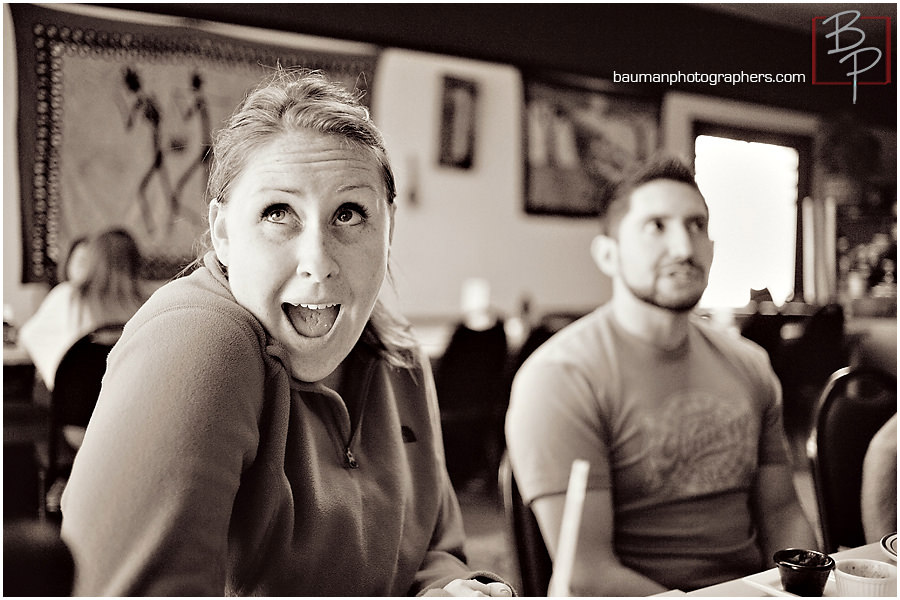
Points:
point(605, 252)
point(218, 231)
point(393, 211)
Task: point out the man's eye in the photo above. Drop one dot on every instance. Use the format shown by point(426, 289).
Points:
point(697, 226)
point(656, 226)
point(350, 215)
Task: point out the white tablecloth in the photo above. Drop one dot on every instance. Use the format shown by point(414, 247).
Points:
point(740, 588)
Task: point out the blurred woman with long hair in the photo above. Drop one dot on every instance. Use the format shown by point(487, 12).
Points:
point(100, 285)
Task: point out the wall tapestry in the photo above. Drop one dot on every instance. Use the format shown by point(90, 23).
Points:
point(579, 137)
point(115, 119)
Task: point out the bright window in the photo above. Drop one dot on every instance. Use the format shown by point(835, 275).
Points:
point(752, 192)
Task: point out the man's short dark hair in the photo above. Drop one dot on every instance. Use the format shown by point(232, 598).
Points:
point(618, 202)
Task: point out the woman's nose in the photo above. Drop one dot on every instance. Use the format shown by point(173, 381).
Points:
point(315, 261)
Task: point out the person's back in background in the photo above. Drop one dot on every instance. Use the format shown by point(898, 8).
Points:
point(879, 483)
point(680, 422)
point(99, 286)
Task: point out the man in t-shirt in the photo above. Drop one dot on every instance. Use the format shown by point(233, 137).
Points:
point(690, 479)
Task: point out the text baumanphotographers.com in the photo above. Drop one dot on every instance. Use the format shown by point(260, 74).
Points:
point(708, 78)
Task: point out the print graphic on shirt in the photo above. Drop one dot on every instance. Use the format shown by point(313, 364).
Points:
point(698, 443)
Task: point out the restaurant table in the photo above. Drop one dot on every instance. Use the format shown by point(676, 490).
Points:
point(740, 588)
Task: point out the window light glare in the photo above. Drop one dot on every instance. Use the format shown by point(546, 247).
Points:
point(751, 191)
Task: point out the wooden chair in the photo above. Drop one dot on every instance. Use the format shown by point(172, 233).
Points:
point(75, 392)
point(854, 404)
point(524, 534)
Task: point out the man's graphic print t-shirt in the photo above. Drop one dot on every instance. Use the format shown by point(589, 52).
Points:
point(677, 436)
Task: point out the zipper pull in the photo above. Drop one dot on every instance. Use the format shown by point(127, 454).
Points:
point(350, 460)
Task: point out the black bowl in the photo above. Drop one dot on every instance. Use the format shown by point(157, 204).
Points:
point(803, 572)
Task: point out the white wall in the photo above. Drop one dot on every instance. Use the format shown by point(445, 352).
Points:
point(471, 223)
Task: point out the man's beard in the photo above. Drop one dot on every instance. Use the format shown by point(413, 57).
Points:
point(680, 305)
point(650, 295)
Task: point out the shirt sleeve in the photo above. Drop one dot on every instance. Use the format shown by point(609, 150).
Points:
point(773, 446)
point(445, 558)
point(553, 419)
point(148, 505)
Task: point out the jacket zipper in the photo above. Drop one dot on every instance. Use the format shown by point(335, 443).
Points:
point(349, 460)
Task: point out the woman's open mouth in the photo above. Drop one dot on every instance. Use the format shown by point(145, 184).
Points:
point(312, 320)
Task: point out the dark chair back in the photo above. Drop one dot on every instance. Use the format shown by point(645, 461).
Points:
point(72, 401)
point(470, 388)
point(36, 562)
point(854, 404)
point(806, 364)
point(524, 534)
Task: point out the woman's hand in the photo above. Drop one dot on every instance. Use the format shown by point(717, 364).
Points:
point(471, 587)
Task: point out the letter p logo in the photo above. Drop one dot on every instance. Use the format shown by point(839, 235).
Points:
point(850, 49)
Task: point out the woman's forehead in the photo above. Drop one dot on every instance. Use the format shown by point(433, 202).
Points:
point(295, 157)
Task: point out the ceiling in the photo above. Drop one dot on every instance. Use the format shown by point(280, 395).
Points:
point(797, 16)
point(585, 39)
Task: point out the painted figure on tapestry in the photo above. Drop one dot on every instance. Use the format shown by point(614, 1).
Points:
point(146, 107)
point(198, 110)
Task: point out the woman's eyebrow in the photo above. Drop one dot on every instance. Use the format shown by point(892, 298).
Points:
point(349, 187)
point(281, 190)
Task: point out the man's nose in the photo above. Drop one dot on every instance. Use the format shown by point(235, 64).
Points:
point(315, 261)
point(681, 242)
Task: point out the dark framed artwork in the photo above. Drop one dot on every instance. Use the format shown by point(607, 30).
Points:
point(458, 120)
point(579, 137)
point(115, 121)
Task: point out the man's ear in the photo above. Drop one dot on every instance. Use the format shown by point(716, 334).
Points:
point(218, 232)
point(605, 252)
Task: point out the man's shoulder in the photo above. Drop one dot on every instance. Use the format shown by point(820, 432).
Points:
point(733, 346)
point(578, 343)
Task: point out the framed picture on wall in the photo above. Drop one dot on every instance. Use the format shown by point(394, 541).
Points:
point(458, 104)
point(579, 136)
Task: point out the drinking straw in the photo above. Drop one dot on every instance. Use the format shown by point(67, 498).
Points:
point(568, 533)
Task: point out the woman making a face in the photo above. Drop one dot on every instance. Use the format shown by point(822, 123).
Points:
point(266, 426)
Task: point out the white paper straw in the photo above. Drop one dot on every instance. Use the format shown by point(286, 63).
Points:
point(568, 532)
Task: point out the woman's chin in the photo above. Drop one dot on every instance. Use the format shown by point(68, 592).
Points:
point(315, 358)
point(313, 373)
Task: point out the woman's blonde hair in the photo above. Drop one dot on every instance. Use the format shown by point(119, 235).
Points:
point(292, 99)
